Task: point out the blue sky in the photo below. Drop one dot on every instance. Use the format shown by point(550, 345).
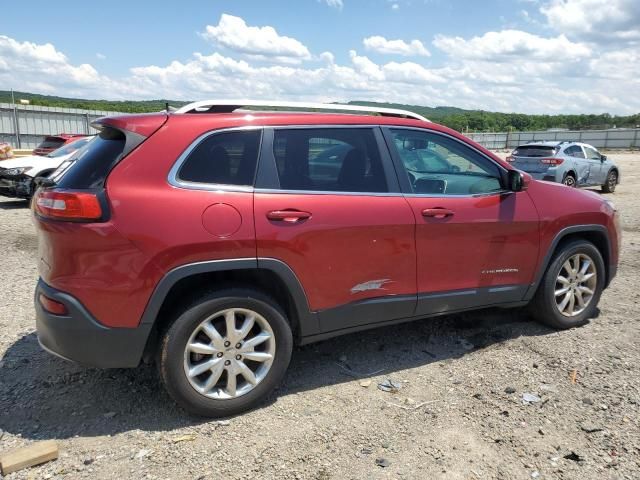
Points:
point(532, 56)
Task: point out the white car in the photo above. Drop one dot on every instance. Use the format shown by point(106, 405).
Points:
point(18, 174)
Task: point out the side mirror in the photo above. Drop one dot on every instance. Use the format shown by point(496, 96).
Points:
point(603, 158)
point(517, 181)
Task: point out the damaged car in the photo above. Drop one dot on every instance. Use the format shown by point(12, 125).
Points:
point(17, 176)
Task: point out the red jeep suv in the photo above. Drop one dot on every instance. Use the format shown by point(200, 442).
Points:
point(214, 238)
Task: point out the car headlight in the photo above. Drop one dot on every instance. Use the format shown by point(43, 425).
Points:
point(13, 172)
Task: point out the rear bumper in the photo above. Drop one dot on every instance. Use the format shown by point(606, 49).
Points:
point(546, 176)
point(78, 337)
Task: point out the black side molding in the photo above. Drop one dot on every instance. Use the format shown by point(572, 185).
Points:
point(307, 321)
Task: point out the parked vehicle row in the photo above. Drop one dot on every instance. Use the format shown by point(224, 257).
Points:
point(212, 241)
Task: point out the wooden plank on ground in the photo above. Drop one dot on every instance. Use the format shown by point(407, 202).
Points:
point(29, 456)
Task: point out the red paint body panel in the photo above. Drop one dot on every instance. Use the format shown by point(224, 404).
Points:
point(113, 267)
point(349, 240)
point(488, 241)
point(66, 139)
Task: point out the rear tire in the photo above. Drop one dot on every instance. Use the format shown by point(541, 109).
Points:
point(239, 365)
point(569, 180)
point(611, 182)
point(553, 304)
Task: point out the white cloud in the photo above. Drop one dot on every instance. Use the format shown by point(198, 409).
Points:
point(507, 71)
point(234, 34)
point(101, 56)
point(395, 6)
point(380, 44)
point(333, 3)
point(510, 45)
point(613, 20)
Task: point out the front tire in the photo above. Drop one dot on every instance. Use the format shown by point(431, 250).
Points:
point(225, 352)
point(611, 182)
point(570, 289)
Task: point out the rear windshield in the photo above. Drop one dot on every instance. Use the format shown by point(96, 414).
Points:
point(91, 165)
point(534, 151)
point(51, 142)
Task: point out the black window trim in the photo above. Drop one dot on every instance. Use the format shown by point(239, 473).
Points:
point(175, 181)
point(268, 181)
point(403, 179)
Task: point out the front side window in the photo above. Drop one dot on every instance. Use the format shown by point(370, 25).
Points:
point(329, 159)
point(592, 153)
point(439, 165)
point(227, 158)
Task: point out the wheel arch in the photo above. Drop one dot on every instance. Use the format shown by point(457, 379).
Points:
point(270, 276)
point(596, 234)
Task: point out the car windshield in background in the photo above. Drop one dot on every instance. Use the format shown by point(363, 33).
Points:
point(534, 151)
point(70, 148)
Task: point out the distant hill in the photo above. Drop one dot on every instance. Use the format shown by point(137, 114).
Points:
point(456, 118)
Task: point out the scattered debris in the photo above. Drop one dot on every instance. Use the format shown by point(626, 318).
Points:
point(184, 438)
point(221, 423)
point(574, 376)
point(366, 451)
point(528, 398)
point(535, 474)
point(574, 457)
point(587, 401)
point(404, 407)
point(389, 386)
point(382, 462)
point(590, 428)
point(143, 453)
point(509, 390)
point(365, 383)
point(109, 414)
point(29, 456)
point(353, 373)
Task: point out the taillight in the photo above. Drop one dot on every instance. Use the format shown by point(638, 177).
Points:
point(552, 161)
point(52, 306)
point(511, 158)
point(68, 205)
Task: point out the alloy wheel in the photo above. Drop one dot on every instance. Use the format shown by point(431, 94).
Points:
point(569, 181)
point(229, 353)
point(612, 180)
point(575, 284)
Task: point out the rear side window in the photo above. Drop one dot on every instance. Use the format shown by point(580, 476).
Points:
point(534, 151)
point(89, 166)
point(227, 158)
point(329, 159)
point(574, 151)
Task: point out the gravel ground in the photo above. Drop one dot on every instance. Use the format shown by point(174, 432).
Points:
point(459, 413)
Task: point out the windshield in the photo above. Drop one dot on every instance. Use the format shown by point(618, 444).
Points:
point(70, 147)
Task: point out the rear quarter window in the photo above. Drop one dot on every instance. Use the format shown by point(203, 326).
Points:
point(227, 158)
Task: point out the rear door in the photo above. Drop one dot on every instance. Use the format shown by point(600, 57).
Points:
point(477, 244)
point(328, 205)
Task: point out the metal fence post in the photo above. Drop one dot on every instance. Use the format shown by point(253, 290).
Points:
point(16, 125)
point(606, 137)
point(635, 139)
point(87, 124)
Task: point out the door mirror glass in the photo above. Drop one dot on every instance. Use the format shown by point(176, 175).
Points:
point(603, 157)
point(516, 181)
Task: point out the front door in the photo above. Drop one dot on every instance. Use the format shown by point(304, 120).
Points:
point(476, 243)
point(596, 175)
point(336, 217)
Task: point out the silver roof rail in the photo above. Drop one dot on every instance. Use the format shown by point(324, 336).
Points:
point(228, 106)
